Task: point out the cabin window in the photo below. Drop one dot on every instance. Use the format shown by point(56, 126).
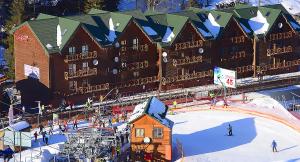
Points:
point(72, 85)
point(85, 66)
point(135, 43)
point(71, 50)
point(123, 42)
point(139, 132)
point(136, 74)
point(72, 68)
point(85, 82)
point(157, 133)
point(84, 49)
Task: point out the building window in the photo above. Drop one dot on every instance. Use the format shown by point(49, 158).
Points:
point(71, 50)
point(72, 68)
point(157, 133)
point(135, 43)
point(72, 85)
point(139, 132)
point(84, 49)
point(136, 74)
point(85, 66)
point(123, 42)
point(85, 82)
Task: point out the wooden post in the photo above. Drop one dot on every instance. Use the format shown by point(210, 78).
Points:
point(159, 50)
point(254, 57)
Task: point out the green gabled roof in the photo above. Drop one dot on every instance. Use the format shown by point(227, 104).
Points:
point(96, 11)
point(44, 16)
point(46, 32)
point(277, 6)
point(246, 13)
point(163, 23)
point(222, 18)
point(271, 15)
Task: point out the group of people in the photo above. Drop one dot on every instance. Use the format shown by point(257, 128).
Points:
point(274, 143)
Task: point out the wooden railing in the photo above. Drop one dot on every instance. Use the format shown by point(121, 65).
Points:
point(81, 56)
point(191, 76)
point(187, 60)
point(142, 48)
point(81, 73)
point(92, 88)
point(139, 81)
point(137, 65)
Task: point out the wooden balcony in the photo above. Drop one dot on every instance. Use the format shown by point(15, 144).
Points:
point(136, 65)
point(187, 60)
point(81, 73)
point(92, 88)
point(76, 57)
point(141, 48)
point(186, 77)
point(137, 82)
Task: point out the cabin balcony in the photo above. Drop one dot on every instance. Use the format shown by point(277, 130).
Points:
point(191, 76)
point(81, 56)
point(81, 73)
point(92, 88)
point(141, 48)
point(187, 60)
point(136, 65)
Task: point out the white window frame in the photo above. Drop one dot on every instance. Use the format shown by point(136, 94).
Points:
point(139, 132)
point(158, 132)
point(85, 65)
point(85, 49)
point(72, 50)
point(72, 68)
point(135, 43)
point(72, 85)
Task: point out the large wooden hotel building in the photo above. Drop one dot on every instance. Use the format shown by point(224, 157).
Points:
point(83, 56)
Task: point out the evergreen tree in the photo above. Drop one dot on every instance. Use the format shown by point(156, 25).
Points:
point(89, 4)
point(111, 5)
point(16, 11)
point(193, 3)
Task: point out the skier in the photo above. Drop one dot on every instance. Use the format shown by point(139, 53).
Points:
point(35, 136)
point(47, 138)
point(41, 128)
point(274, 146)
point(44, 135)
point(127, 135)
point(75, 124)
point(229, 130)
point(122, 139)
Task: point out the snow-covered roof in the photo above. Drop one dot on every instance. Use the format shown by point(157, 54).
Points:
point(212, 25)
point(245, 28)
point(58, 36)
point(19, 126)
point(292, 6)
point(112, 33)
point(295, 25)
point(154, 108)
point(204, 33)
point(168, 35)
point(259, 24)
point(149, 30)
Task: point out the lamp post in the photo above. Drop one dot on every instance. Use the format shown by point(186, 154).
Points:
point(40, 111)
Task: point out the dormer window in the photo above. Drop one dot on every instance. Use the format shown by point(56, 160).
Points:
point(135, 43)
point(71, 50)
point(84, 49)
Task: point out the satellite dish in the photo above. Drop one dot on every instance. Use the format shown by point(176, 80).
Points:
point(147, 140)
point(117, 45)
point(164, 54)
point(116, 59)
point(200, 50)
point(165, 59)
point(95, 62)
point(280, 25)
point(115, 71)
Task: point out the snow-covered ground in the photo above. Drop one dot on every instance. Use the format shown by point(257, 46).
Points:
point(203, 136)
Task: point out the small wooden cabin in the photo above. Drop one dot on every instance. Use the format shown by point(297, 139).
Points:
point(151, 132)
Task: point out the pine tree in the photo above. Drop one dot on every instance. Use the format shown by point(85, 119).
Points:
point(89, 4)
point(111, 5)
point(193, 3)
point(16, 11)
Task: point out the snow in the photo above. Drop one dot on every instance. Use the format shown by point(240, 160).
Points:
point(149, 30)
point(295, 25)
point(203, 136)
point(245, 28)
point(156, 107)
point(168, 35)
point(49, 46)
point(112, 34)
point(204, 33)
point(259, 23)
point(138, 111)
point(19, 126)
point(58, 36)
point(292, 6)
point(212, 25)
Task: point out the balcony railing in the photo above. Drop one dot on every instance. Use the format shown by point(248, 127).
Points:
point(185, 77)
point(187, 60)
point(137, 82)
point(141, 48)
point(81, 56)
point(136, 65)
point(92, 88)
point(81, 73)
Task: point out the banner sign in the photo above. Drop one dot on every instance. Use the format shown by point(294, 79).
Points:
point(225, 77)
point(31, 71)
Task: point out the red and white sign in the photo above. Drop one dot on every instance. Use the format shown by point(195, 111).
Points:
point(225, 77)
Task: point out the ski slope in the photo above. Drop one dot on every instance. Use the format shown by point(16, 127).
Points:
point(203, 135)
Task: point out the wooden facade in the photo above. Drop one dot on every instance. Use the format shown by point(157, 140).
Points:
point(134, 62)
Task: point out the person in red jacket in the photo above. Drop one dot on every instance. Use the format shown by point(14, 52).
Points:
point(75, 124)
